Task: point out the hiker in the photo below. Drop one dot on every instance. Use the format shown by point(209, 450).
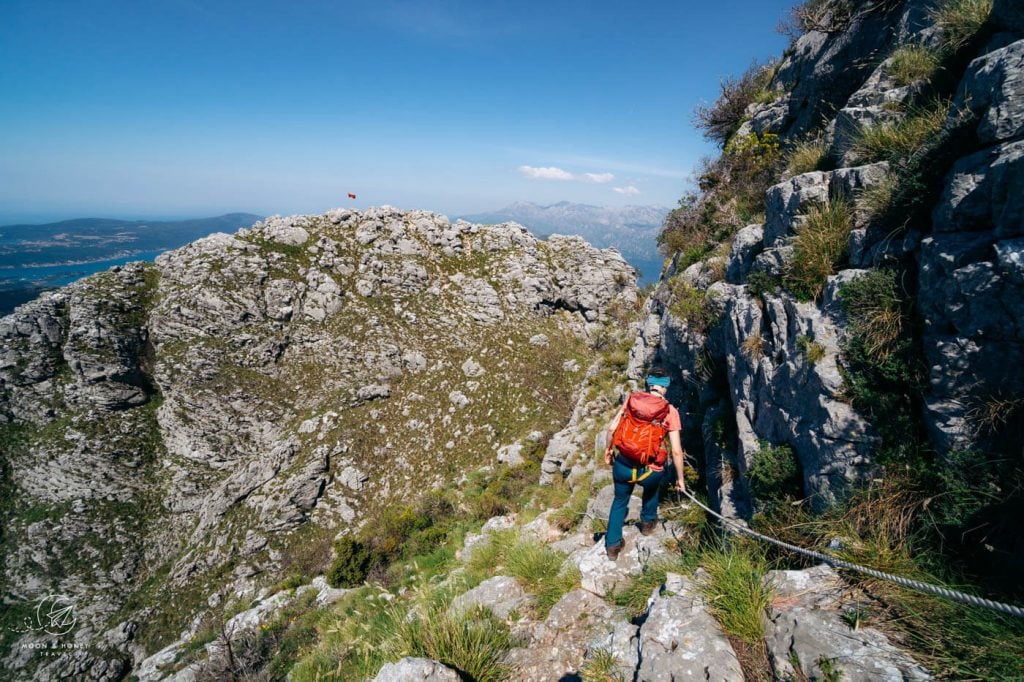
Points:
point(636, 453)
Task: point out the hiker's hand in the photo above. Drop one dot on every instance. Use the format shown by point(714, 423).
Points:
point(608, 456)
point(680, 486)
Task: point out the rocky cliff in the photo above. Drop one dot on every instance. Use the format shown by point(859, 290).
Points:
point(902, 180)
point(179, 432)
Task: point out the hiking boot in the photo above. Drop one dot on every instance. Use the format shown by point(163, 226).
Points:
point(647, 527)
point(613, 552)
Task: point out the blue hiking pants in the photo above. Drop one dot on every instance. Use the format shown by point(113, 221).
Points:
point(626, 477)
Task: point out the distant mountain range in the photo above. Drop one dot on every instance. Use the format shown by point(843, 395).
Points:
point(34, 258)
point(630, 229)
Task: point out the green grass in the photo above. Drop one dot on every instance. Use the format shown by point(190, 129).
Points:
point(569, 515)
point(734, 590)
point(912, 63)
point(887, 527)
point(876, 201)
point(898, 140)
point(806, 156)
point(960, 20)
point(368, 631)
point(633, 597)
point(819, 246)
point(601, 666)
point(538, 568)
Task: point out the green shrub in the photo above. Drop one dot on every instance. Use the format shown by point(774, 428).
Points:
point(960, 20)
point(883, 368)
point(806, 156)
point(912, 63)
point(898, 140)
point(760, 283)
point(775, 473)
point(820, 244)
point(688, 230)
point(750, 163)
point(350, 567)
point(693, 306)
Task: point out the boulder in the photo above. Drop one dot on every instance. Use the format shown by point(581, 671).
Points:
point(681, 640)
point(416, 670)
point(501, 595)
point(806, 627)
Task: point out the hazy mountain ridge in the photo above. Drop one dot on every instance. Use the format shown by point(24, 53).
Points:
point(630, 229)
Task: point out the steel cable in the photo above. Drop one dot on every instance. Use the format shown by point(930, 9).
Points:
point(881, 575)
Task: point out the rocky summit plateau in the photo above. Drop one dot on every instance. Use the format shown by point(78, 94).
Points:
point(176, 432)
point(368, 445)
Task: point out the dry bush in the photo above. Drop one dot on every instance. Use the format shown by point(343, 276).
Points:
point(753, 347)
point(721, 120)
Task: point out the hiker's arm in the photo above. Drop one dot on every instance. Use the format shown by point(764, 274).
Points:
point(678, 458)
point(612, 425)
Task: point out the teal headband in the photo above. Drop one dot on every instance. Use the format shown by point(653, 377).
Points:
point(658, 381)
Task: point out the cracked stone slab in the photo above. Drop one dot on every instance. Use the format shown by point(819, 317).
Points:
point(806, 626)
point(681, 640)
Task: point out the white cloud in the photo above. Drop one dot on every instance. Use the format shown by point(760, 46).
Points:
point(549, 173)
point(599, 178)
point(630, 189)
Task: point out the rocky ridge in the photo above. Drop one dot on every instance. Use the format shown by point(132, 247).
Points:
point(198, 426)
point(959, 257)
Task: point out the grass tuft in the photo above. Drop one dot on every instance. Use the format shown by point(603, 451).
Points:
point(806, 156)
point(601, 666)
point(753, 347)
point(898, 140)
point(875, 202)
point(735, 591)
point(813, 352)
point(960, 20)
point(820, 244)
point(912, 64)
point(539, 570)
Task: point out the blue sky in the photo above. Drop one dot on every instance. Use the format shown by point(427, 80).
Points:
point(175, 108)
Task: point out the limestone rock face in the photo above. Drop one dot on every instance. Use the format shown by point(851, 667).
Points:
point(681, 640)
point(806, 627)
point(558, 645)
point(769, 369)
point(193, 421)
point(415, 670)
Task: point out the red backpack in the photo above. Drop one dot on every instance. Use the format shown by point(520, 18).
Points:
point(642, 429)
